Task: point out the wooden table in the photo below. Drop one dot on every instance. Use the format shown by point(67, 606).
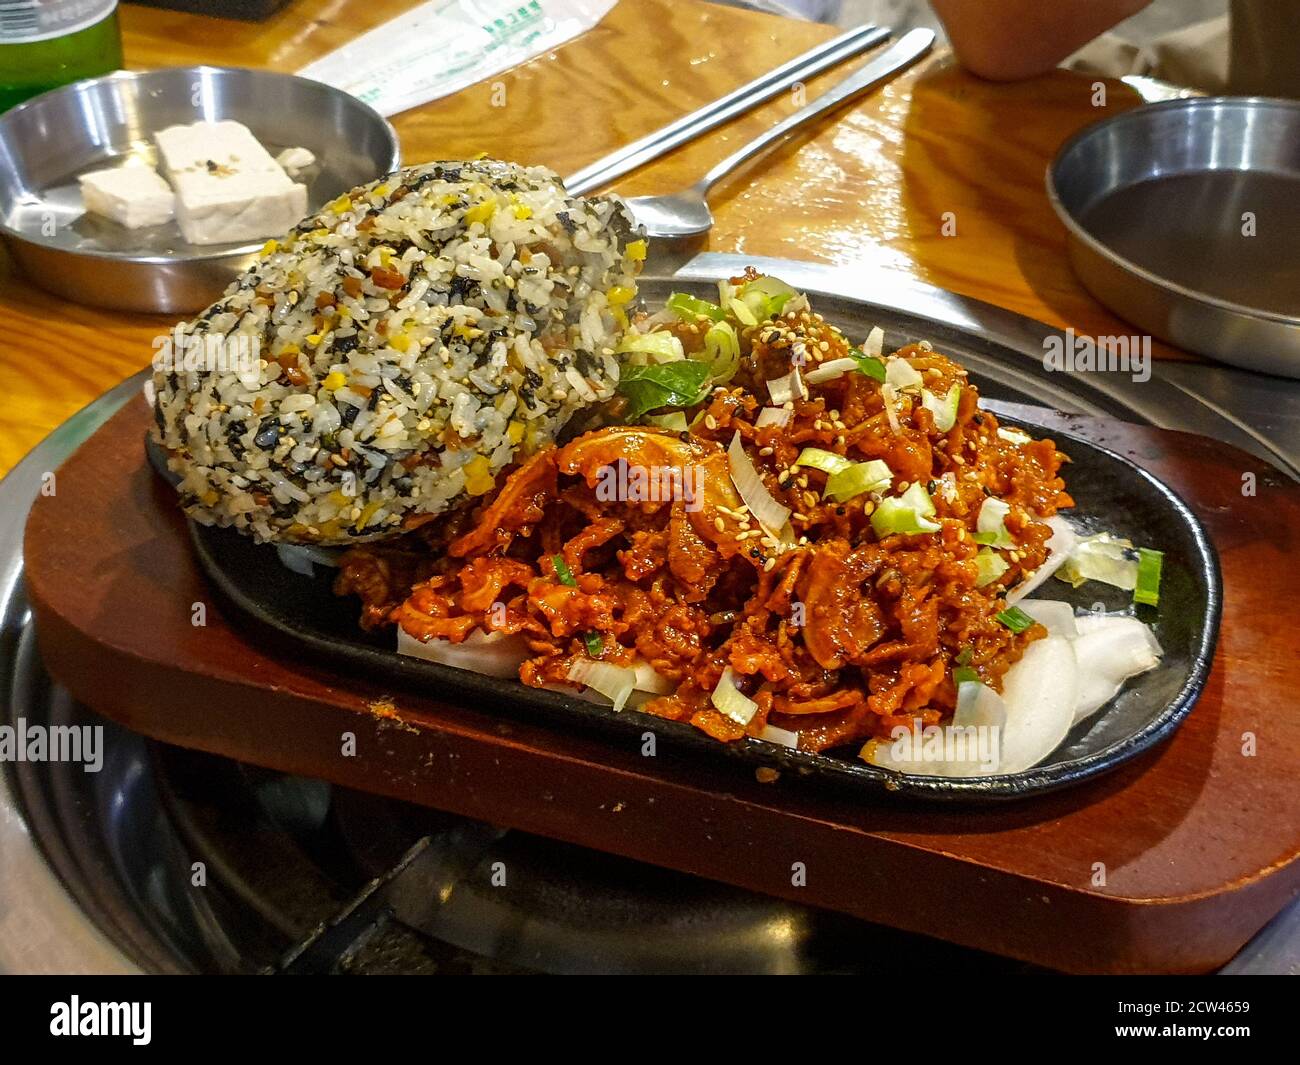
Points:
point(871, 187)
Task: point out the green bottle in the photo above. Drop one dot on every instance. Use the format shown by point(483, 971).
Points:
point(48, 43)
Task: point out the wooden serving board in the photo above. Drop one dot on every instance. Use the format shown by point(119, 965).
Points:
point(1170, 864)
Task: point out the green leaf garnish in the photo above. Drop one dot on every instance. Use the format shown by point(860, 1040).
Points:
point(668, 384)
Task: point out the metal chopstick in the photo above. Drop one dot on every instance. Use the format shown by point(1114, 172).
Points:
point(748, 96)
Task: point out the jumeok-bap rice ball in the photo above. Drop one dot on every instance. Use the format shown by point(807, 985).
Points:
point(393, 353)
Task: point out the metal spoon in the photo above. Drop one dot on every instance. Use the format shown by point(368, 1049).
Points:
point(686, 213)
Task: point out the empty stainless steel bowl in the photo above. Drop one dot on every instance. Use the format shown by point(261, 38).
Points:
point(1183, 217)
point(46, 142)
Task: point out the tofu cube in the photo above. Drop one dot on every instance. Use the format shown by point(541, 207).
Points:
point(228, 188)
point(132, 196)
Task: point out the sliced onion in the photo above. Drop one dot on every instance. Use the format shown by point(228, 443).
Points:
point(787, 389)
point(943, 410)
point(828, 371)
point(494, 654)
point(773, 416)
point(300, 558)
point(889, 398)
point(979, 706)
point(908, 754)
point(1112, 650)
point(674, 422)
point(901, 375)
point(731, 702)
point(779, 735)
point(1040, 692)
point(766, 510)
point(1091, 622)
point(1055, 616)
point(874, 344)
point(1101, 558)
point(1015, 436)
point(616, 683)
point(647, 680)
point(1059, 546)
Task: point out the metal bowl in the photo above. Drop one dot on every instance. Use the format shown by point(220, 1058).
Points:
point(1182, 218)
point(46, 142)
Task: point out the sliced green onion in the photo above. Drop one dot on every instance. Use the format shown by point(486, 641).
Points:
point(907, 514)
point(1015, 619)
point(826, 461)
point(966, 656)
point(944, 410)
point(770, 514)
point(688, 307)
point(845, 484)
point(563, 572)
point(615, 683)
point(772, 291)
point(1147, 589)
point(990, 525)
point(990, 566)
point(965, 675)
point(741, 310)
point(674, 422)
point(722, 348)
point(901, 374)
point(1102, 558)
point(662, 346)
point(595, 643)
point(757, 304)
point(731, 702)
point(868, 364)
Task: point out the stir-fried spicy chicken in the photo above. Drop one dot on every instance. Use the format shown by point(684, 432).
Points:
point(836, 632)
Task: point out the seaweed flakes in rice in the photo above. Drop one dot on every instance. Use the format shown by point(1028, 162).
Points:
point(394, 352)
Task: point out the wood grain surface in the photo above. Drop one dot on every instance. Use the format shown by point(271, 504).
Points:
point(1169, 864)
point(869, 187)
